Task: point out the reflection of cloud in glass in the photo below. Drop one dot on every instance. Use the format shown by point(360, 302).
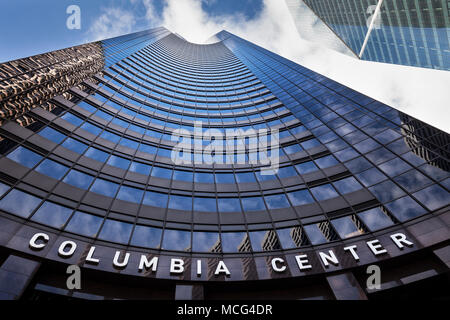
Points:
point(25, 157)
point(116, 231)
point(232, 240)
point(176, 240)
point(180, 203)
point(301, 197)
point(253, 204)
point(19, 203)
point(433, 197)
point(205, 204)
point(204, 241)
point(277, 201)
point(314, 234)
point(229, 205)
point(52, 169)
point(375, 219)
point(84, 224)
point(155, 199)
point(78, 179)
point(345, 227)
point(284, 235)
point(52, 215)
point(146, 237)
point(130, 194)
point(105, 188)
point(324, 192)
point(405, 208)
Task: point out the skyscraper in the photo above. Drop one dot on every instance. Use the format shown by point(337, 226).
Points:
point(114, 158)
point(412, 33)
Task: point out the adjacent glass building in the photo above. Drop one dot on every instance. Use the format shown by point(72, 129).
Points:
point(88, 178)
point(413, 33)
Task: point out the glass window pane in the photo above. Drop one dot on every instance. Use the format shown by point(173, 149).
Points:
point(292, 237)
point(140, 168)
point(345, 227)
point(405, 209)
point(253, 204)
point(116, 231)
point(162, 173)
point(155, 199)
point(245, 177)
point(78, 179)
point(264, 240)
point(277, 201)
point(229, 205)
point(324, 192)
point(177, 240)
point(235, 242)
point(52, 169)
point(347, 185)
point(148, 237)
point(19, 203)
point(206, 242)
point(84, 224)
point(119, 162)
point(433, 197)
point(183, 175)
point(25, 157)
point(52, 135)
point(326, 162)
point(180, 203)
point(52, 214)
point(301, 197)
point(225, 178)
point(205, 204)
point(74, 145)
point(105, 188)
point(96, 154)
point(375, 219)
point(130, 194)
point(314, 234)
point(204, 177)
point(306, 167)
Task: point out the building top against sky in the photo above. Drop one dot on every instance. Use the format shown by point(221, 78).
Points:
point(413, 33)
point(88, 157)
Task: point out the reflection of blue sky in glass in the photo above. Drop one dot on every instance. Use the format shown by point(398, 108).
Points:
point(105, 188)
point(345, 227)
point(301, 197)
point(74, 145)
point(277, 201)
point(306, 167)
point(386, 191)
point(347, 185)
point(84, 224)
point(3, 188)
point(19, 203)
point(180, 203)
point(146, 237)
point(204, 241)
point(405, 208)
point(25, 157)
point(155, 199)
point(412, 180)
point(176, 240)
point(284, 235)
point(253, 204)
point(314, 234)
point(78, 179)
point(232, 240)
point(130, 194)
point(433, 197)
point(52, 169)
point(256, 239)
point(229, 205)
point(96, 154)
point(52, 135)
point(205, 204)
point(324, 192)
point(375, 219)
point(52, 215)
point(116, 231)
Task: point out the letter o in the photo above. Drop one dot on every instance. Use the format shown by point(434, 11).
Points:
point(61, 250)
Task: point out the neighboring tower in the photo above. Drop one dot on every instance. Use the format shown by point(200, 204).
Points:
point(413, 33)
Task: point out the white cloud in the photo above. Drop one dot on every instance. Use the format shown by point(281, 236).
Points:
point(111, 23)
point(422, 93)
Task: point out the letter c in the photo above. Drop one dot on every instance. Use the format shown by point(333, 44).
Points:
point(33, 241)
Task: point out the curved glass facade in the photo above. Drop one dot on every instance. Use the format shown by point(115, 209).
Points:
point(99, 166)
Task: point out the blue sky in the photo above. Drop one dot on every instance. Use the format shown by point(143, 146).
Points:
point(29, 27)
